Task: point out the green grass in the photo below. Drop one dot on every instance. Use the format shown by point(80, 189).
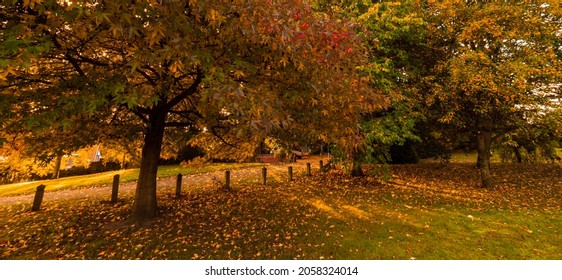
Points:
point(451, 234)
point(426, 211)
point(462, 157)
point(470, 157)
point(127, 175)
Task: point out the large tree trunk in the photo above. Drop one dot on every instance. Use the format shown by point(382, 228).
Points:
point(356, 170)
point(484, 139)
point(145, 206)
point(518, 155)
point(479, 161)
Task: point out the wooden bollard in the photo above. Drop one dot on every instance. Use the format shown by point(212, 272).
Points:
point(38, 198)
point(227, 179)
point(308, 173)
point(290, 173)
point(115, 189)
point(178, 185)
point(321, 165)
point(264, 176)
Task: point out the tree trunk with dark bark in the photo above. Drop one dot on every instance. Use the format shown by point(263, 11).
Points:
point(479, 161)
point(484, 139)
point(145, 206)
point(518, 155)
point(356, 170)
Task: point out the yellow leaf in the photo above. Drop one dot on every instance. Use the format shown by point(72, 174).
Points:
point(239, 74)
point(284, 61)
point(115, 30)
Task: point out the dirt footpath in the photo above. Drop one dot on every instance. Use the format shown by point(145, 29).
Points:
point(277, 172)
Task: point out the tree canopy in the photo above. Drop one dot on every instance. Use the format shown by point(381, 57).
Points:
point(225, 75)
point(494, 58)
point(224, 68)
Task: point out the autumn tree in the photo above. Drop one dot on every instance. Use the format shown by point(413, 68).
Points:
point(16, 166)
point(394, 36)
point(493, 57)
point(536, 141)
point(222, 68)
point(464, 68)
point(396, 39)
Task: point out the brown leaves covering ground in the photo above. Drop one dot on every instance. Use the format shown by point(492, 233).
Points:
point(427, 211)
point(517, 185)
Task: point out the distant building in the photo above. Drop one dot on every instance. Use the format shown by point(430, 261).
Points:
point(97, 156)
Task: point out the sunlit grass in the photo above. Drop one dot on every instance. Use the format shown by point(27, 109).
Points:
point(470, 157)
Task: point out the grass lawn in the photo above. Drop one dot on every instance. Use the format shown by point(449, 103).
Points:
point(470, 157)
point(425, 211)
point(127, 175)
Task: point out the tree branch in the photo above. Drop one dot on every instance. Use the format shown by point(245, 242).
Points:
point(67, 55)
point(89, 60)
point(138, 112)
point(147, 77)
point(187, 92)
point(216, 134)
point(24, 81)
point(178, 124)
point(185, 114)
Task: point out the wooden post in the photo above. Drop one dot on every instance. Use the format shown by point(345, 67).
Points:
point(264, 176)
point(38, 198)
point(308, 169)
point(290, 173)
point(178, 185)
point(115, 189)
point(321, 165)
point(227, 179)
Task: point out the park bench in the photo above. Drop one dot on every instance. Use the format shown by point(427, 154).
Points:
point(267, 158)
